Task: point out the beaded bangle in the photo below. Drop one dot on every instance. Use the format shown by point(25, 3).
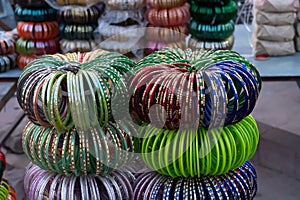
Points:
point(73, 32)
point(7, 62)
point(23, 60)
point(31, 3)
point(169, 17)
point(226, 44)
point(216, 154)
point(226, 90)
point(7, 43)
point(39, 184)
point(169, 34)
point(68, 46)
point(37, 47)
point(80, 15)
point(35, 15)
point(37, 30)
point(162, 4)
point(211, 32)
point(213, 15)
point(238, 183)
point(125, 4)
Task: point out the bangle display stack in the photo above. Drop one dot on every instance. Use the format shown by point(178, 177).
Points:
point(37, 27)
point(212, 25)
point(6, 191)
point(7, 51)
point(122, 27)
point(76, 137)
point(196, 131)
point(168, 24)
point(78, 23)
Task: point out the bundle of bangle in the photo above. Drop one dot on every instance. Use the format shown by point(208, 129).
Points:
point(169, 16)
point(68, 46)
point(35, 15)
point(37, 47)
point(212, 2)
point(12, 194)
point(82, 15)
point(40, 184)
point(217, 32)
point(4, 189)
point(7, 44)
point(167, 34)
point(219, 87)
point(125, 4)
point(196, 153)
point(93, 151)
point(226, 44)
point(23, 60)
point(162, 4)
point(32, 3)
point(47, 93)
point(37, 30)
point(7, 62)
point(213, 15)
point(240, 183)
point(76, 31)
point(153, 46)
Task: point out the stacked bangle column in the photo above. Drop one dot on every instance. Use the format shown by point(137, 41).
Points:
point(74, 138)
point(7, 51)
point(212, 25)
point(196, 131)
point(77, 26)
point(167, 24)
point(38, 30)
point(122, 27)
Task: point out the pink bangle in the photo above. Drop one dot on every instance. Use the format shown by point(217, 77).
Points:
point(167, 34)
point(165, 3)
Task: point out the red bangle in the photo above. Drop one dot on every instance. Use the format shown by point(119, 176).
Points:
point(38, 30)
point(2, 159)
point(23, 60)
point(7, 43)
point(169, 16)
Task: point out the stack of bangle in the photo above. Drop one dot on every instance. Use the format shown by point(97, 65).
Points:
point(36, 15)
point(169, 34)
point(37, 47)
point(7, 62)
point(180, 81)
point(38, 30)
point(74, 2)
point(7, 51)
point(76, 31)
point(77, 45)
point(23, 60)
point(198, 153)
point(31, 3)
point(94, 150)
point(12, 194)
point(212, 23)
point(125, 4)
point(162, 4)
point(40, 184)
point(4, 189)
point(47, 92)
point(240, 183)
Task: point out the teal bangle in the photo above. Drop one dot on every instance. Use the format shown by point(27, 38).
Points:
point(35, 15)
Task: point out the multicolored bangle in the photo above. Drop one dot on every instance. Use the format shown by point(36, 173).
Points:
point(226, 44)
point(169, 17)
point(40, 184)
point(240, 183)
point(219, 87)
point(153, 46)
point(73, 32)
point(79, 15)
point(196, 153)
point(7, 62)
point(162, 4)
point(167, 34)
point(7, 43)
point(35, 15)
point(211, 32)
point(213, 15)
point(4, 189)
point(23, 60)
point(37, 30)
point(68, 46)
point(125, 4)
point(37, 47)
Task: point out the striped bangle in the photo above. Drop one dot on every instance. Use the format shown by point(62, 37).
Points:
point(68, 46)
point(37, 47)
point(37, 30)
point(23, 60)
point(167, 34)
point(35, 15)
point(226, 44)
point(7, 43)
point(7, 62)
point(162, 4)
point(73, 32)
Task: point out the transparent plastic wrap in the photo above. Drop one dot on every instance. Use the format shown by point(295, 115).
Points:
point(268, 18)
point(68, 46)
point(125, 4)
point(57, 4)
point(271, 48)
point(277, 5)
point(282, 33)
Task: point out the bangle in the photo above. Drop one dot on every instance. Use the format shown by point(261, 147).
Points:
point(37, 30)
point(42, 184)
point(125, 4)
point(153, 46)
point(79, 15)
point(7, 43)
point(213, 15)
point(226, 44)
point(162, 4)
point(69, 46)
point(31, 3)
point(212, 2)
point(7, 62)
point(169, 17)
point(35, 15)
point(169, 34)
point(37, 47)
point(211, 32)
point(73, 2)
point(73, 32)
point(23, 60)
point(239, 182)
